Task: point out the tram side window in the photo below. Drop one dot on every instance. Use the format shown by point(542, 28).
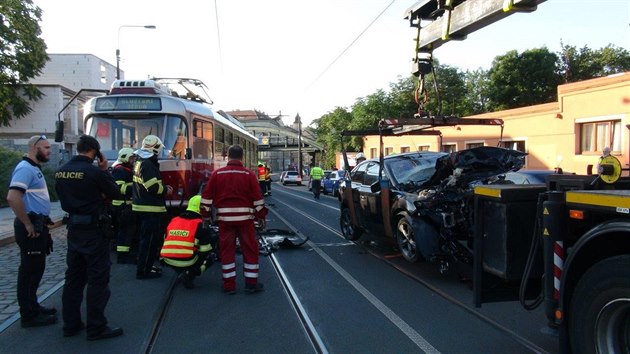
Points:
point(219, 147)
point(202, 140)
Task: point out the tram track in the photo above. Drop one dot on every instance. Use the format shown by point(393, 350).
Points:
point(486, 319)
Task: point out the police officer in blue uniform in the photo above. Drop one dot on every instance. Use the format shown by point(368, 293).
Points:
point(83, 189)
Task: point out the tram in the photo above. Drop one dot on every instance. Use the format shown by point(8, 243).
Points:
point(180, 113)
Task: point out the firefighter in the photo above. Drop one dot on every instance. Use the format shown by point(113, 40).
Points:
point(268, 179)
point(316, 176)
point(262, 179)
point(83, 190)
point(148, 205)
point(233, 192)
point(188, 244)
point(124, 219)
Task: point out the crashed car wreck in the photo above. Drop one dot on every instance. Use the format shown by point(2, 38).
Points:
point(423, 200)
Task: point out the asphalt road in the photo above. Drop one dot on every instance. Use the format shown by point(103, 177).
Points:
point(345, 297)
point(392, 306)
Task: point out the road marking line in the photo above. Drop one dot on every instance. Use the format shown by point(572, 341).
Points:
point(414, 336)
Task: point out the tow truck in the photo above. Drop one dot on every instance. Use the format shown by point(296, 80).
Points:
point(576, 259)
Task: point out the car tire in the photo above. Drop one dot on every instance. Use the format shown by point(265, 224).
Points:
point(407, 240)
point(349, 231)
point(299, 184)
point(325, 191)
point(600, 310)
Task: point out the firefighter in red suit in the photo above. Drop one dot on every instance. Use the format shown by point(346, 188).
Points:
point(235, 194)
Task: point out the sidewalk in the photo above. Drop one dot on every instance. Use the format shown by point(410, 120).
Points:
point(7, 216)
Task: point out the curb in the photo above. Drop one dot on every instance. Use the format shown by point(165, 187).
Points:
point(8, 237)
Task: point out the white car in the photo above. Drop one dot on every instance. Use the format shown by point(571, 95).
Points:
point(290, 177)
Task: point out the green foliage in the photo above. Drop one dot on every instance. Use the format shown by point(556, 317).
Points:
point(22, 57)
point(585, 63)
point(8, 160)
point(451, 89)
point(519, 80)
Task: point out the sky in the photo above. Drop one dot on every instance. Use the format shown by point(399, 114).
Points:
point(302, 57)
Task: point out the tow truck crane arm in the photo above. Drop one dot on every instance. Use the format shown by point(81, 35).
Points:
point(455, 19)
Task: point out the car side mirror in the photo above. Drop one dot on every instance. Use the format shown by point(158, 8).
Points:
point(375, 187)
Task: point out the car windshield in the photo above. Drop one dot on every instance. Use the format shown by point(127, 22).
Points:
point(292, 173)
point(413, 169)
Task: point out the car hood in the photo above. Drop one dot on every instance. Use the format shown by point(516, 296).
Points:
point(466, 166)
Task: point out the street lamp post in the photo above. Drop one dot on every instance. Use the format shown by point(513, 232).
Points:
point(299, 119)
point(118, 45)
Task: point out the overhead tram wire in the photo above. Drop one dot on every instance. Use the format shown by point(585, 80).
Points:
point(216, 17)
point(350, 45)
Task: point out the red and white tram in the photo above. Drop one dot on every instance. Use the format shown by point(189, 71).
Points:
point(178, 111)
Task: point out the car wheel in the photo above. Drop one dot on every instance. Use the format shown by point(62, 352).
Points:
point(600, 308)
point(407, 241)
point(325, 191)
point(347, 229)
point(299, 184)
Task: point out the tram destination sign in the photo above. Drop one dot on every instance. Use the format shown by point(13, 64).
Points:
point(136, 103)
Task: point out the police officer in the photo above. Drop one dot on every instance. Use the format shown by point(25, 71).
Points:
point(29, 200)
point(188, 244)
point(316, 176)
point(83, 189)
point(122, 171)
point(148, 204)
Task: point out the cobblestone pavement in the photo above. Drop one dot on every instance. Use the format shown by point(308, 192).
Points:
point(10, 261)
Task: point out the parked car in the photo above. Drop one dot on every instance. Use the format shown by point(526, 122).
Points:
point(330, 183)
point(527, 176)
point(310, 180)
point(290, 177)
point(430, 213)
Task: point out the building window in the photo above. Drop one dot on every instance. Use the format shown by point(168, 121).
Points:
point(423, 147)
point(372, 153)
point(595, 136)
point(389, 151)
point(404, 149)
point(452, 147)
point(518, 145)
point(475, 144)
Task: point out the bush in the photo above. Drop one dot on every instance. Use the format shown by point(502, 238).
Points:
point(8, 160)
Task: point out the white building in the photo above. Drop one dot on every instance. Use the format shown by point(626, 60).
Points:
point(61, 79)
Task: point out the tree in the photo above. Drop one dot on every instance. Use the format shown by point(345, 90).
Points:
point(585, 63)
point(519, 80)
point(477, 91)
point(22, 57)
point(328, 129)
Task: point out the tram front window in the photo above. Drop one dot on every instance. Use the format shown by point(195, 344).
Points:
point(116, 133)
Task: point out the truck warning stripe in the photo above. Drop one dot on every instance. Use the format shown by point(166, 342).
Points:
point(488, 192)
point(604, 200)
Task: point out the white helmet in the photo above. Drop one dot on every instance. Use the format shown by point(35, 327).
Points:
point(152, 143)
point(360, 156)
point(124, 154)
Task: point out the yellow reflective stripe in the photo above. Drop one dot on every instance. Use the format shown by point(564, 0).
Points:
point(123, 188)
point(117, 202)
point(148, 184)
point(205, 248)
point(178, 243)
point(149, 208)
point(122, 248)
point(176, 251)
point(180, 263)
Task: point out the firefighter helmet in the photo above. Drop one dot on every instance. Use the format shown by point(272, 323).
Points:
point(124, 154)
point(152, 143)
point(194, 204)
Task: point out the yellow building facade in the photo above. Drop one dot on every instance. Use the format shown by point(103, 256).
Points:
point(570, 133)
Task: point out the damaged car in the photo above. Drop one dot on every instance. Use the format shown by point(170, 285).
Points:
point(422, 200)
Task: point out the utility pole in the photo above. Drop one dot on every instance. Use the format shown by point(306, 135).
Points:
point(299, 120)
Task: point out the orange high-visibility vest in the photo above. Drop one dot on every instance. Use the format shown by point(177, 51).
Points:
point(262, 171)
point(180, 238)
